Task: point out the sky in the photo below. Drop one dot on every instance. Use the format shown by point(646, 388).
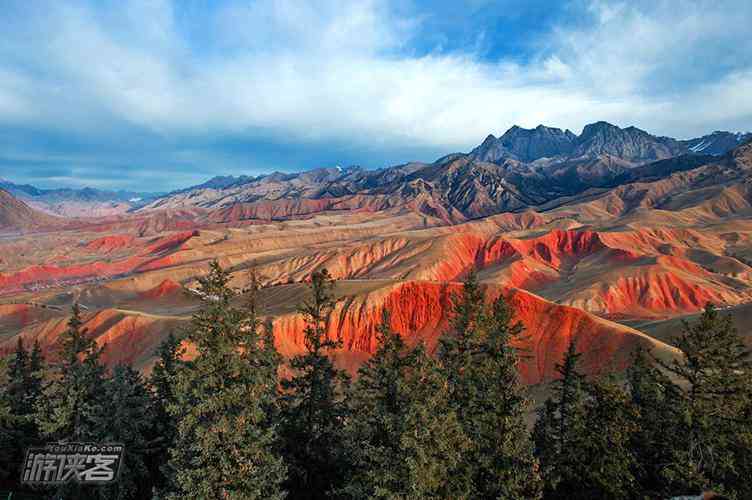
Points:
point(154, 95)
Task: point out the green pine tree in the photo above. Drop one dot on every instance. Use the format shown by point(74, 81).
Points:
point(226, 444)
point(313, 408)
point(20, 394)
point(378, 404)
point(653, 440)
point(10, 434)
point(67, 411)
point(559, 430)
point(434, 444)
point(73, 399)
point(126, 417)
point(375, 424)
point(15, 390)
point(608, 461)
point(35, 377)
point(481, 366)
point(711, 387)
point(162, 383)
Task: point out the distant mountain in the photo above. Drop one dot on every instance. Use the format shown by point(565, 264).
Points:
point(521, 169)
point(629, 144)
point(717, 143)
point(16, 215)
point(83, 202)
point(219, 182)
point(526, 145)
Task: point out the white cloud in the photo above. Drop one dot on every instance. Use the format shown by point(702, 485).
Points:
point(340, 71)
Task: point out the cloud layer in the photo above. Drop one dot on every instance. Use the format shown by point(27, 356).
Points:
point(155, 94)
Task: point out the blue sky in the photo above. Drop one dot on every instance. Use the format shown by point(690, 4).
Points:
point(157, 95)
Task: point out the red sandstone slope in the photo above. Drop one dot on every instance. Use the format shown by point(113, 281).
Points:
point(109, 244)
point(128, 337)
point(155, 254)
point(419, 311)
point(637, 273)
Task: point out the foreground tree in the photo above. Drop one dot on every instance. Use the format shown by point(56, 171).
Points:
point(708, 402)
point(226, 444)
point(69, 407)
point(313, 406)
point(378, 404)
point(434, 445)
point(161, 384)
point(480, 363)
point(585, 437)
point(606, 455)
point(652, 395)
point(402, 436)
point(9, 434)
point(19, 395)
point(127, 417)
point(559, 430)
point(73, 399)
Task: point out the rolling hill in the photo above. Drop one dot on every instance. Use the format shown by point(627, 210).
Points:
point(609, 237)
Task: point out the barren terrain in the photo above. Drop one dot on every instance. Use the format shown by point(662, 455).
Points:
point(613, 266)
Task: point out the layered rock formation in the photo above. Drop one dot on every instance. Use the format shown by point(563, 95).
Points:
point(574, 243)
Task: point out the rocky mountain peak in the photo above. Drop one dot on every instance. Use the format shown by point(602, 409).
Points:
point(525, 145)
point(631, 143)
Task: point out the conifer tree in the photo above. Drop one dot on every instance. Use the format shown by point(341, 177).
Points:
point(17, 374)
point(20, 394)
point(559, 430)
point(711, 386)
point(434, 445)
point(34, 378)
point(375, 425)
point(653, 440)
point(68, 409)
point(9, 433)
point(377, 407)
point(403, 435)
point(226, 445)
point(71, 402)
point(481, 366)
point(162, 382)
point(126, 417)
point(313, 406)
point(608, 461)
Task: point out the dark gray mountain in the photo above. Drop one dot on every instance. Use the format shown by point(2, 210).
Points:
point(522, 168)
point(526, 145)
point(631, 143)
point(717, 143)
point(600, 139)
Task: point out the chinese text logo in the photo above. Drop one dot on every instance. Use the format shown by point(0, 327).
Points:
point(58, 463)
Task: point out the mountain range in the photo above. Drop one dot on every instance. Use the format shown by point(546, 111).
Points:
point(610, 237)
point(529, 167)
point(70, 202)
point(521, 169)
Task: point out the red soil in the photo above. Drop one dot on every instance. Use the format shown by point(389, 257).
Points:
point(52, 273)
point(164, 289)
point(420, 312)
point(108, 244)
point(559, 248)
point(171, 242)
